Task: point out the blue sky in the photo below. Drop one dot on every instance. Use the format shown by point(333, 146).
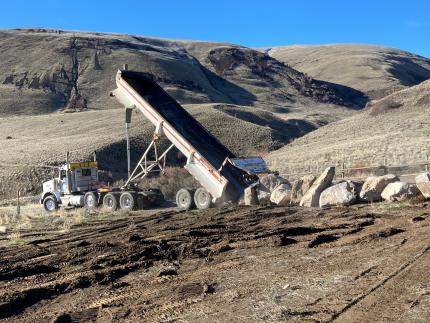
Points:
point(400, 24)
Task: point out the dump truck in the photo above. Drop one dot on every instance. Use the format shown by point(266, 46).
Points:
point(222, 175)
point(77, 185)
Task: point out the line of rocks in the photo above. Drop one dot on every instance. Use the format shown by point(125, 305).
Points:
point(310, 191)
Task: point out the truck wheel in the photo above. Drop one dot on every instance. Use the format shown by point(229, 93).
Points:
point(127, 201)
point(184, 199)
point(90, 200)
point(202, 198)
point(50, 204)
point(110, 202)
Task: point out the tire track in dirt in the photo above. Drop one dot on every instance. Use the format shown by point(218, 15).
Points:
point(351, 314)
point(120, 262)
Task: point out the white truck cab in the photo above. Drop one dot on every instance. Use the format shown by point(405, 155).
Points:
point(69, 188)
point(77, 185)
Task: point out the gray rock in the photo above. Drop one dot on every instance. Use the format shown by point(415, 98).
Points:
point(281, 195)
point(271, 181)
point(263, 194)
point(423, 184)
point(374, 185)
point(300, 187)
point(356, 187)
point(250, 196)
point(339, 194)
point(312, 196)
point(400, 191)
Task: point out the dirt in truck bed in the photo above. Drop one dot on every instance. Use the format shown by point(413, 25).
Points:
point(362, 263)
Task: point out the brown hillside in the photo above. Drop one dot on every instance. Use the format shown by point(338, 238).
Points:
point(375, 70)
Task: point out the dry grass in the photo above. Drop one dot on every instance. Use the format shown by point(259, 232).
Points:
point(34, 218)
point(396, 137)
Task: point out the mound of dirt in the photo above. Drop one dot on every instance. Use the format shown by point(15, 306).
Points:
point(247, 264)
point(376, 71)
point(392, 130)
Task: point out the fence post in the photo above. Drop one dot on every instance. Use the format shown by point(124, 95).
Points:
point(18, 205)
point(343, 170)
point(427, 165)
point(385, 165)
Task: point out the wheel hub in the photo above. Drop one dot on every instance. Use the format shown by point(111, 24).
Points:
point(50, 205)
point(90, 201)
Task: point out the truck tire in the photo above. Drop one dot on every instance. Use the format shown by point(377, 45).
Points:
point(127, 201)
point(90, 201)
point(50, 203)
point(202, 199)
point(110, 202)
point(184, 199)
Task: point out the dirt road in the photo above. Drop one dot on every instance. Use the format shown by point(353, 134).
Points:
point(363, 263)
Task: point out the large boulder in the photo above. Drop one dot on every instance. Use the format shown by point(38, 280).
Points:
point(400, 191)
point(281, 195)
point(337, 195)
point(250, 196)
point(423, 184)
point(312, 196)
point(300, 187)
point(263, 194)
point(374, 185)
point(271, 181)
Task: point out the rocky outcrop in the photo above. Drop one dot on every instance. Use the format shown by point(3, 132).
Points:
point(400, 191)
point(423, 184)
point(312, 196)
point(281, 195)
point(300, 187)
point(374, 185)
point(339, 194)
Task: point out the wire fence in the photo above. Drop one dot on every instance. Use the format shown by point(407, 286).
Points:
point(407, 172)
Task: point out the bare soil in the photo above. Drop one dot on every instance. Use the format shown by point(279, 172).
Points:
point(362, 263)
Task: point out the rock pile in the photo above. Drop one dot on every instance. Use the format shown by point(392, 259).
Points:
point(310, 191)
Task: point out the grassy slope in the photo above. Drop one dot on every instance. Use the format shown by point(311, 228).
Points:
point(393, 128)
point(374, 70)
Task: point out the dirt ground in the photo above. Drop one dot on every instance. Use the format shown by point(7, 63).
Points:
point(362, 263)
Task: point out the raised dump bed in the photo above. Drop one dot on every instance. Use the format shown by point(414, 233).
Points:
point(208, 160)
